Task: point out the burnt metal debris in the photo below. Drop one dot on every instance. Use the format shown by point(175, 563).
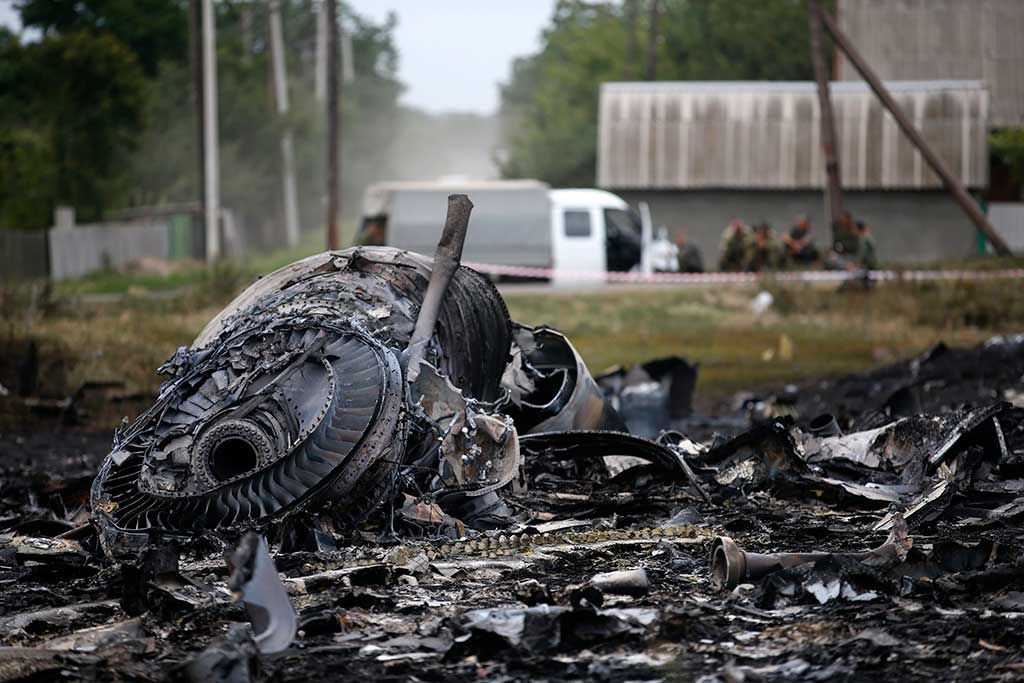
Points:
point(330, 384)
point(309, 497)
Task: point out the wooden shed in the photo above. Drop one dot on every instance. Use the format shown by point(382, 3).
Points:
point(703, 153)
point(928, 39)
point(765, 135)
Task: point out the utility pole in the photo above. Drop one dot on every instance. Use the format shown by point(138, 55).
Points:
point(631, 42)
point(952, 184)
point(246, 26)
point(333, 125)
point(291, 205)
point(652, 41)
point(195, 45)
point(321, 52)
point(211, 165)
point(834, 186)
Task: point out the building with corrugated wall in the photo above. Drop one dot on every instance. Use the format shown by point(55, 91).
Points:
point(930, 39)
point(703, 153)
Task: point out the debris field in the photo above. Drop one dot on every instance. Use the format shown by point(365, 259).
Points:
point(362, 467)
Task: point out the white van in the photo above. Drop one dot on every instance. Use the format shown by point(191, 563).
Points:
point(514, 223)
point(593, 231)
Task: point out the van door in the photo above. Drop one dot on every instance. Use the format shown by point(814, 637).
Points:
point(578, 237)
point(624, 244)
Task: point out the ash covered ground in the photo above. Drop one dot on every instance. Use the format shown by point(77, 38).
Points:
point(398, 599)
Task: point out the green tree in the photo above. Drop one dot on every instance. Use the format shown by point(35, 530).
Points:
point(154, 30)
point(90, 99)
point(72, 108)
point(26, 154)
point(722, 40)
point(99, 113)
point(26, 178)
point(549, 104)
point(1008, 146)
point(165, 167)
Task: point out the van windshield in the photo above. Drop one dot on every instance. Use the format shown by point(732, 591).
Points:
point(622, 220)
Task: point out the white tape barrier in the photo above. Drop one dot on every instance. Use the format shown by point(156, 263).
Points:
point(772, 276)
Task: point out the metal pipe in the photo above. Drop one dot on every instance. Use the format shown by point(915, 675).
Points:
point(731, 565)
point(952, 184)
point(824, 425)
point(447, 259)
point(333, 129)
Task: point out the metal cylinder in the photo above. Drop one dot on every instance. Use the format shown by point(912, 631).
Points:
point(628, 582)
point(731, 565)
point(824, 425)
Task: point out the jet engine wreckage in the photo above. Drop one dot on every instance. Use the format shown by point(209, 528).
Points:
point(451, 495)
point(324, 388)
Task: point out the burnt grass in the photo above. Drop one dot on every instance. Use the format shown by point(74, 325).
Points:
point(964, 623)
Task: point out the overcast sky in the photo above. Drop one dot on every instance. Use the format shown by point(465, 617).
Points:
point(8, 17)
point(453, 53)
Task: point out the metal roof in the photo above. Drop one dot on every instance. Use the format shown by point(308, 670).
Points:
point(903, 39)
point(788, 86)
point(766, 135)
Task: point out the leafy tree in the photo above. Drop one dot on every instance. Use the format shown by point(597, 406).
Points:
point(99, 113)
point(549, 105)
point(154, 30)
point(73, 109)
point(721, 40)
point(165, 168)
point(26, 156)
point(26, 178)
point(90, 99)
point(1008, 146)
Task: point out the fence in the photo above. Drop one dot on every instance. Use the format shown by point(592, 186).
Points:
point(87, 248)
point(63, 253)
point(1008, 220)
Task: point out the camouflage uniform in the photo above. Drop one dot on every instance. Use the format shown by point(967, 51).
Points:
point(735, 248)
point(867, 254)
point(765, 253)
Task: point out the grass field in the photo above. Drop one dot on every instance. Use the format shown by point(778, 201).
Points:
point(811, 331)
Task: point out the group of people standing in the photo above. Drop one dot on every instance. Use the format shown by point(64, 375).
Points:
point(758, 248)
point(746, 249)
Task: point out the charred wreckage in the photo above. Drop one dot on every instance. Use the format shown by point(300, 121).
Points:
point(377, 418)
point(335, 382)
